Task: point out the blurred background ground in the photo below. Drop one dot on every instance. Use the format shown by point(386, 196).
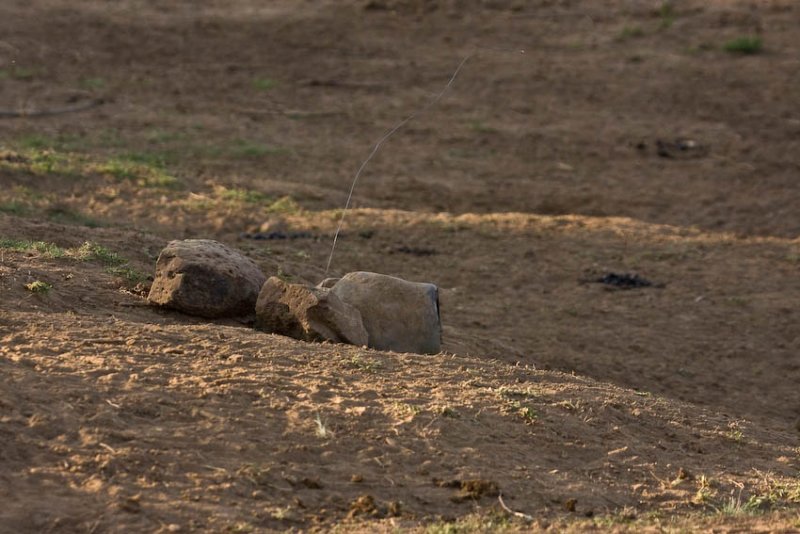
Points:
point(648, 137)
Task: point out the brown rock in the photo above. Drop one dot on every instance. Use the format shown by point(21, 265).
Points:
point(307, 313)
point(399, 315)
point(206, 278)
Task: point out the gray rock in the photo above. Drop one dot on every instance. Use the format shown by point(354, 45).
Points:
point(206, 278)
point(399, 315)
point(307, 313)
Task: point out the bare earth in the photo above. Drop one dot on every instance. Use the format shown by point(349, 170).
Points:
point(580, 138)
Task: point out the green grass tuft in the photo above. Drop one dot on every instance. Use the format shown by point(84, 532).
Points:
point(49, 250)
point(264, 84)
point(93, 83)
point(93, 252)
point(630, 32)
point(243, 195)
point(744, 45)
point(128, 273)
point(249, 149)
point(285, 205)
point(14, 208)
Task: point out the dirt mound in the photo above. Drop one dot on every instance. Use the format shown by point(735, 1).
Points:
point(134, 425)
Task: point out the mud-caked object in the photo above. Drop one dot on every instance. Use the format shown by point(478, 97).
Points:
point(307, 313)
point(399, 315)
point(206, 278)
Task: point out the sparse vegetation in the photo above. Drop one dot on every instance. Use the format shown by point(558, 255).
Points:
point(368, 365)
point(18, 73)
point(495, 522)
point(64, 214)
point(264, 84)
point(284, 205)
point(480, 126)
point(14, 207)
point(630, 32)
point(38, 286)
point(252, 150)
point(242, 195)
point(93, 252)
point(143, 169)
point(514, 402)
point(666, 12)
point(734, 434)
point(48, 250)
point(44, 156)
point(130, 274)
point(89, 251)
point(744, 45)
point(93, 83)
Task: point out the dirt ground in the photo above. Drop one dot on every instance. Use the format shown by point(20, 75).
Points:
point(578, 139)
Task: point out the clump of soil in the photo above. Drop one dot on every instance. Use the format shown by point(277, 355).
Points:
point(624, 281)
point(471, 489)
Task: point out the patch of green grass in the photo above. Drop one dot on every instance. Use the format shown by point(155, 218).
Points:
point(93, 252)
point(14, 207)
point(734, 433)
point(744, 45)
point(734, 506)
point(146, 170)
point(285, 205)
point(698, 48)
point(161, 137)
point(128, 273)
point(50, 162)
point(630, 32)
point(110, 138)
point(249, 149)
point(49, 250)
point(513, 402)
point(36, 142)
point(18, 73)
point(36, 157)
point(38, 287)
point(89, 251)
point(481, 127)
point(62, 142)
point(92, 83)
point(666, 12)
point(63, 214)
point(242, 195)
point(121, 169)
point(264, 84)
point(156, 160)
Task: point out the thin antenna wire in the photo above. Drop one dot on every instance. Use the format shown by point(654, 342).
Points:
point(378, 146)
